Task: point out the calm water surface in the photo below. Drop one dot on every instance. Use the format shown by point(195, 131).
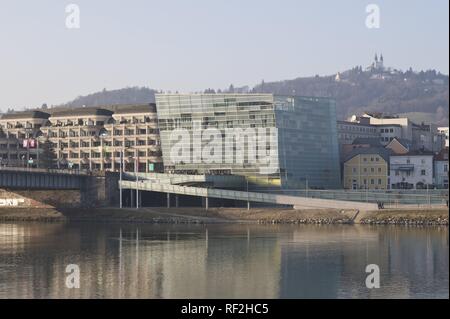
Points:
point(222, 261)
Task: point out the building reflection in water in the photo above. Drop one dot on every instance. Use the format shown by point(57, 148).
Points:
point(221, 261)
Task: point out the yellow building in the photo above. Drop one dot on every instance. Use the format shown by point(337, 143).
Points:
point(367, 168)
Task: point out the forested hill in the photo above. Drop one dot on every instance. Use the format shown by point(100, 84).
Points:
point(128, 95)
point(356, 91)
point(424, 95)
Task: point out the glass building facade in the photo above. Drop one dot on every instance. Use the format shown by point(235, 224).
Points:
point(286, 141)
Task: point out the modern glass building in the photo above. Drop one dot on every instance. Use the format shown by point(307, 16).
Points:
point(287, 141)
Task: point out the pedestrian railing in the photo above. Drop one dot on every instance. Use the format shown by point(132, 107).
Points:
point(48, 170)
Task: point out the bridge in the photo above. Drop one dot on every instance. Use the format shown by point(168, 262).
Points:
point(32, 178)
point(32, 187)
point(102, 189)
point(182, 185)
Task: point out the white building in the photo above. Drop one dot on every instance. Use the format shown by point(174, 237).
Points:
point(388, 132)
point(444, 131)
point(423, 136)
point(441, 169)
point(413, 170)
point(427, 136)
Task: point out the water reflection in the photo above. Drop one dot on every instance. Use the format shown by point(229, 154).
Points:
point(222, 261)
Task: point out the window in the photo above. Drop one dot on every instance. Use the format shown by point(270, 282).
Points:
point(408, 161)
point(423, 172)
point(379, 181)
point(354, 170)
point(445, 168)
point(372, 181)
point(372, 170)
point(379, 169)
point(422, 161)
point(397, 173)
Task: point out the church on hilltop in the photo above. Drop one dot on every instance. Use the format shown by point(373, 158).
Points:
point(377, 65)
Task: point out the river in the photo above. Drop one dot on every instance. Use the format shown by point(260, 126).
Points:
point(222, 261)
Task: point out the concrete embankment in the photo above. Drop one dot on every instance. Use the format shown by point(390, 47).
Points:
point(435, 216)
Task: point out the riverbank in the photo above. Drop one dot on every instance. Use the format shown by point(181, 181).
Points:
point(416, 216)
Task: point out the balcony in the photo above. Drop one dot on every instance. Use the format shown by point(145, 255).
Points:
point(402, 167)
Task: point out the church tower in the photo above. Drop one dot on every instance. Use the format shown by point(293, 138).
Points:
point(379, 63)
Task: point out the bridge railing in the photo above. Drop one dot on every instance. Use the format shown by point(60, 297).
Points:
point(392, 198)
point(48, 170)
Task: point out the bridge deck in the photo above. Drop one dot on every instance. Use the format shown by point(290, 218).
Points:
point(304, 202)
point(40, 178)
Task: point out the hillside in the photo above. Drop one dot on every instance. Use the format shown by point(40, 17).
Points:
point(356, 91)
point(424, 95)
point(129, 95)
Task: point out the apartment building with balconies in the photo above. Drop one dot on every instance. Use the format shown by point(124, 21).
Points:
point(91, 138)
point(14, 129)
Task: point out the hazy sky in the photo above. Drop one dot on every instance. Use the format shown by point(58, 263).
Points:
point(192, 45)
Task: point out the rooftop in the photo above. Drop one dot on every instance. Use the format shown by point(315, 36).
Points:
point(403, 141)
point(81, 112)
point(106, 110)
point(372, 141)
point(389, 125)
point(25, 115)
point(381, 151)
point(354, 123)
point(417, 153)
point(442, 155)
point(130, 109)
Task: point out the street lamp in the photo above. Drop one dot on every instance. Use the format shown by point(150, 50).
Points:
point(37, 135)
point(136, 171)
point(248, 196)
point(120, 177)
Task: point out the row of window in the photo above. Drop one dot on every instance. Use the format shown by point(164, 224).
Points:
point(350, 137)
point(372, 159)
point(357, 128)
point(372, 181)
point(366, 170)
point(423, 172)
point(63, 134)
point(109, 155)
point(85, 144)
